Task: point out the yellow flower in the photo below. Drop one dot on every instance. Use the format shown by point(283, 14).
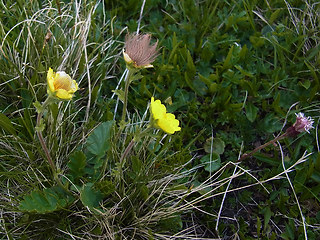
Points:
point(166, 121)
point(61, 85)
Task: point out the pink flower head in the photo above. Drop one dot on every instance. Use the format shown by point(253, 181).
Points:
point(138, 50)
point(303, 124)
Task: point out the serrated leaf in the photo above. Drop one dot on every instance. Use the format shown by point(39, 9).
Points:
point(90, 197)
point(135, 77)
point(77, 164)
point(40, 127)
point(38, 106)
point(47, 200)
point(120, 94)
point(99, 140)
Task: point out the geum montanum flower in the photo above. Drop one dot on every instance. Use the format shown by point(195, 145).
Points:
point(138, 51)
point(161, 119)
point(60, 85)
point(302, 124)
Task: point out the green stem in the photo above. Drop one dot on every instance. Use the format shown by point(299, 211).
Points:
point(43, 143)
point(246, 155)
point(126, 91)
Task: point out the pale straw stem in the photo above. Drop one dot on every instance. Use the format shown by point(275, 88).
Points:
point(140, 17)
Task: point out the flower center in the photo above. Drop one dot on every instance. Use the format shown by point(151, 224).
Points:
point(62, 81)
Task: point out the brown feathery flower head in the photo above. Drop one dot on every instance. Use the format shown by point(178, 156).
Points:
point(138, 50)
point(302, 124)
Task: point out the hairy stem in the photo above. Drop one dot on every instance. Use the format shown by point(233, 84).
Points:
point(127, 150)
point(43, 143)
point(246, 155)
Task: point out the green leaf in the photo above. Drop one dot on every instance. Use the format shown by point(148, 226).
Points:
point(316, 176)
point(200, 86)
point(251, 111)
point(270, 123)
point(90, 197)
point(306, 83)
point(106, 187)
point(289, 231)
point(54, 110)
point(212, 162)
point(77, 164)
point(274, 16)
point(136, 165)
point(227, 63)
point(191, 68)
point(202, 190)
point(47, 200)
point(144, 191)
point(172, 224)
point(119, 93)
point(40, 127)
point(135, 77)
point(258, 226)
point(99, 141)
point(263, 158)
point(6, 124)
point(257, 41)
point(38, 106)
point(267, 216)
point(215, 145)
point(191, 85)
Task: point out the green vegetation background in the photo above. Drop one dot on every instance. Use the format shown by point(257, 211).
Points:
point(235, 72)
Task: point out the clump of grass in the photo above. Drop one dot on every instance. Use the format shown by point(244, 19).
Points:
point(34, 38)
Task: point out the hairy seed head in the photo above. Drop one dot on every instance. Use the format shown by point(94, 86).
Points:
point(139, 50)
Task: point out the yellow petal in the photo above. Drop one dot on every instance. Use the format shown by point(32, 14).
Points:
point(158, 110)
point(63, 94)
point(61, 85)
point(50, 80)
point(126, 57)
point(147, 66)
point(169, 124)
point(166, 121)
point(74, 87)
